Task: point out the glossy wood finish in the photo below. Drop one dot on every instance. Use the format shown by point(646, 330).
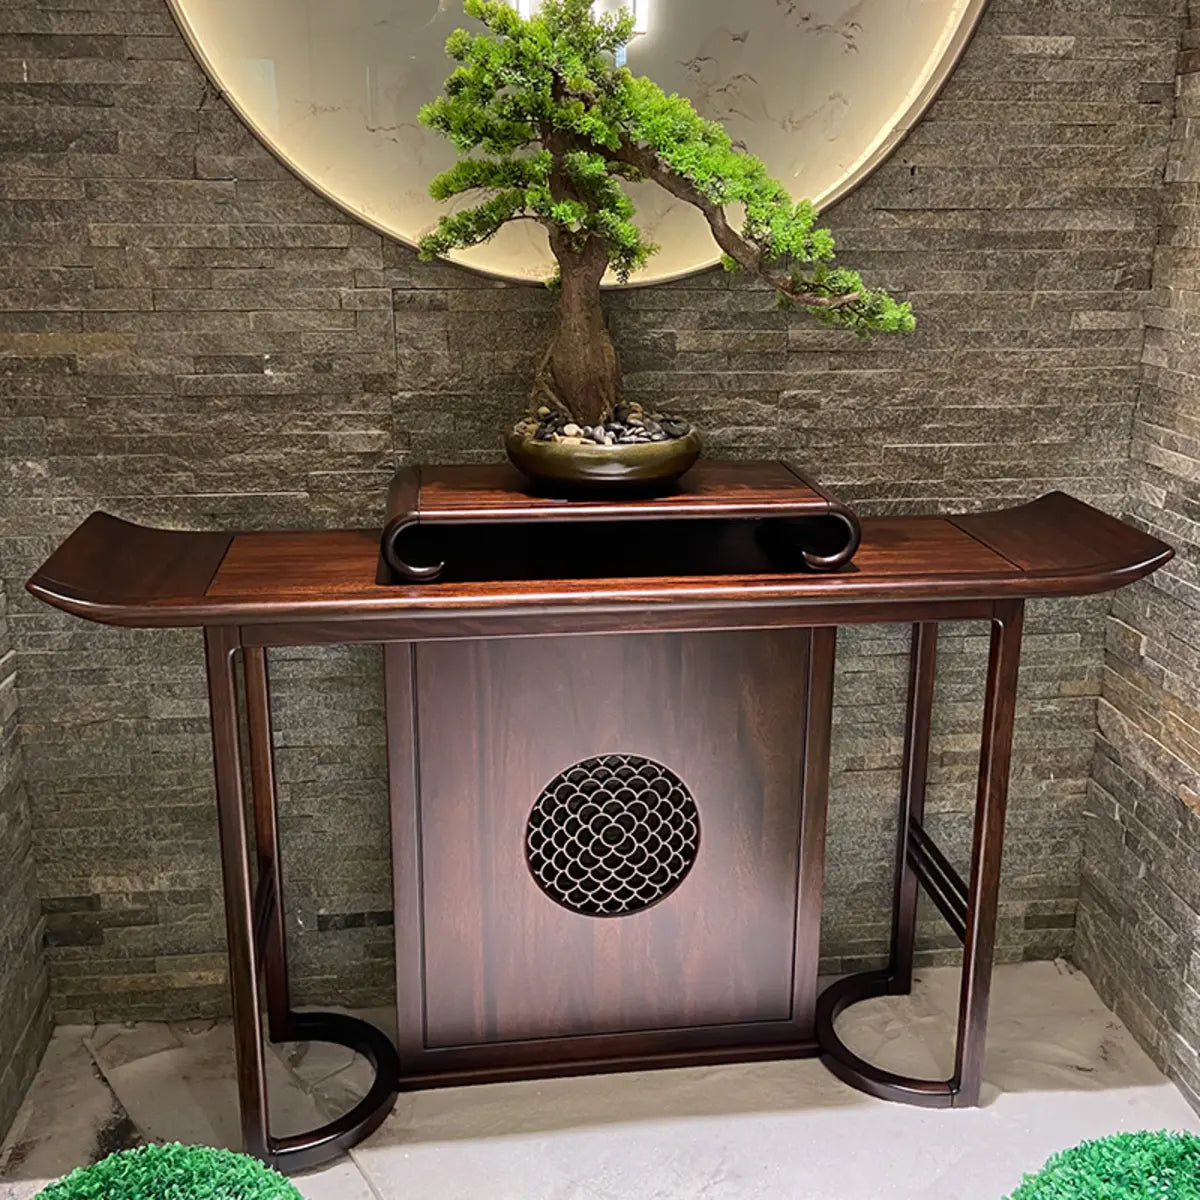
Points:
point(108, 566)
point(270, 932)
point(312, 577)
point(995, 758)
point(423, 501)
point(979, 935)
point(221, 645)
point(662, 619)
point(255, 929)
point(711, 627)
point(1092, 542)
point(922, 668)
point(472, 494)
point(816, 734)
point(404, 789)
point(500, 976)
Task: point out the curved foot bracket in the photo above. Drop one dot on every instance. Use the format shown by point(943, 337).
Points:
point(857, 1072)
point(299, 1151)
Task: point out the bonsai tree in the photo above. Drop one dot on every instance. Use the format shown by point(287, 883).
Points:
point(551, 128)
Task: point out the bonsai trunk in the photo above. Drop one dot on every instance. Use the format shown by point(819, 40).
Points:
point(584, 374)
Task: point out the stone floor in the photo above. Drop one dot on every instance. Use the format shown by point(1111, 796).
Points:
point(1060, 1068)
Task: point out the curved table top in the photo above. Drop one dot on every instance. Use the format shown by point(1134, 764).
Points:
point(119, 573)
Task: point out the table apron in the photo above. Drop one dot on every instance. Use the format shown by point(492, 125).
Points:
point(666, 619)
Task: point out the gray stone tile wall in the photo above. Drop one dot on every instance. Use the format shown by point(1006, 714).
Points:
point(1139, 921)
point(189, 337)
point(25, 1014)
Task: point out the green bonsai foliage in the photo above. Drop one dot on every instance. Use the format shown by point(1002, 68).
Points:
point(1127, 1166)
point(173, 1173)
point(550, 129)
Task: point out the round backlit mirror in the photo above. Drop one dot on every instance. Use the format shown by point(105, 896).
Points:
point(821, 90)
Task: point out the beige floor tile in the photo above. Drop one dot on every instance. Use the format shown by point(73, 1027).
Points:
point(22, 1190)
point(1060, 1068)
point(788, 1129)
point(188, 1093)
point(115, 1045)
point(339, 1181)
point(69, 1118)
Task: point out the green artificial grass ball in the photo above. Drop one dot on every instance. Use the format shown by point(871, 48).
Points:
point(173, 1173)
point(1126, 1166)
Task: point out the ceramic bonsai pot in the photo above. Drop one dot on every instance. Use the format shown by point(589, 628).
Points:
point(567, 467)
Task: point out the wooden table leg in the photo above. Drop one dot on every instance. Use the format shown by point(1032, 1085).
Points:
point(256, 930)
point(991, 804)
point(814, 819)
point(220, 645)
point(922, 667)
point(271, 935)
point(969, 907)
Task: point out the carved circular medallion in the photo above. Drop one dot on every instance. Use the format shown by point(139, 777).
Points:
point(612, 835)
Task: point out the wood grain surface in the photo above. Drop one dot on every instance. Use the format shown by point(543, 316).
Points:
point(112, 571)
point(496, 962)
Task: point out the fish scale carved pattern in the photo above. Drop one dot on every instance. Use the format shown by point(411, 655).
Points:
point(612, 835)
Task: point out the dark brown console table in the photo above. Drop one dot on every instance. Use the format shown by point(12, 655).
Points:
point(608, 850)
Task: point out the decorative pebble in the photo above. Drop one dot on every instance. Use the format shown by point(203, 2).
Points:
point(630, 426)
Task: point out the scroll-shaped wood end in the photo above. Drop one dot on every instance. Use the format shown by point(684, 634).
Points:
point(821, 543)
point(401, 532)
point(399, 541)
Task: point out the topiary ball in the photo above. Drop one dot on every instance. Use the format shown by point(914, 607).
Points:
point(173, 1173)
point(1126, 1166)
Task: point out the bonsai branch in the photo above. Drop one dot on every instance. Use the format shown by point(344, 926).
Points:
point(745, 253)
